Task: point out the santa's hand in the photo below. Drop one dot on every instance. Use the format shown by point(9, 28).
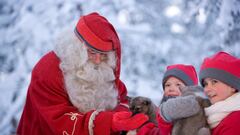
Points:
point(179, 107)
point(124, 121)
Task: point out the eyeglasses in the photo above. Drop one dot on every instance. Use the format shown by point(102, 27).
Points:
point(97, 57)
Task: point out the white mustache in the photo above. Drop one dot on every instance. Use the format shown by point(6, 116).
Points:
point(96, 73)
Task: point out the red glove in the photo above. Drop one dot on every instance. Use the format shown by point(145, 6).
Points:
point(146, 129)
point(122, 121)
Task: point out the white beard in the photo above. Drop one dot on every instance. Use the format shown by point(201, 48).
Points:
point(92, 89)
point(89, 86)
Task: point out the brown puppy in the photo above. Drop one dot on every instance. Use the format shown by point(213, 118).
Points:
point(144, 105)
point(141, 105)
point(196, 124)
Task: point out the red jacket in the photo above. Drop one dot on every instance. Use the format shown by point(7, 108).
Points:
point(48, 110)
point(164, 127)
point(229, 125)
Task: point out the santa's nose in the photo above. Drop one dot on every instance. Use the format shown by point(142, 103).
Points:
point(97, 59)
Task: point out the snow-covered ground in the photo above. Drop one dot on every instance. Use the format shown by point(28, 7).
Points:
point(153, 33)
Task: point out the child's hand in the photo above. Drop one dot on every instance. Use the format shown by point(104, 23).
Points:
point(179, 107)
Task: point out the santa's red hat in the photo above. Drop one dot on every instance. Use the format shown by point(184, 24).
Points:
point(97, 33)
point(221, 66)
point(185, 73)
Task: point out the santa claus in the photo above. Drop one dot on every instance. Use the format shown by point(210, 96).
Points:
point(75, 89)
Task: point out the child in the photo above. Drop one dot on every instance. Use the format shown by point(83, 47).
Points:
point(176, 76)
point(220, 77)
point(175, 108)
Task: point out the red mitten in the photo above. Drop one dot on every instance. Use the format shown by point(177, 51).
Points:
point(124, 121)
point(146, 129)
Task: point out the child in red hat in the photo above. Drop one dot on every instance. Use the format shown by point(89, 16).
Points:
point(171, 108)
point(176, 76)
point(220, 77)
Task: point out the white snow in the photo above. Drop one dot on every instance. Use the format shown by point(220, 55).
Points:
point(153, 34)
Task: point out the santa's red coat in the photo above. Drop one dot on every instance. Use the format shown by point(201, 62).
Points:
point(48, 110)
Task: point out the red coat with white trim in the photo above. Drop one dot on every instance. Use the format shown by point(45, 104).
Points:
point(48, 110)
point(230, 125)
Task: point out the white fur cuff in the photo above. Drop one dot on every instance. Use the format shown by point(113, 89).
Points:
point(125, 105)
point(91, 119)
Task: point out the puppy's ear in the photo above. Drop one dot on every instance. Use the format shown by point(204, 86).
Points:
point(147, 102)
point(206, 103)
point(203, 102)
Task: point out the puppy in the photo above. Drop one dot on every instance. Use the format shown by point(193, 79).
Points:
point(196, 124)
point(142, 105)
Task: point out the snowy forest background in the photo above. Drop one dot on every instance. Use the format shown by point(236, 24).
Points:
point(153, 33)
